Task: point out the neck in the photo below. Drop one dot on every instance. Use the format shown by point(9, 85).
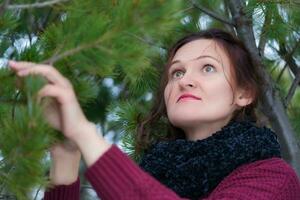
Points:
point(204, 130)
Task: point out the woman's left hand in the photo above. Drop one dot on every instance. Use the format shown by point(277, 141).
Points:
point(63, 112)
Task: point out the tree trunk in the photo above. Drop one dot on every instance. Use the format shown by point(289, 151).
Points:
point(271, 104)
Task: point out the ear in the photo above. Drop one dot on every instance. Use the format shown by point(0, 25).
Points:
point(243, 97)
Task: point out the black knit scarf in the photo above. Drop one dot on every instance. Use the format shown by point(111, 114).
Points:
point(193, 169)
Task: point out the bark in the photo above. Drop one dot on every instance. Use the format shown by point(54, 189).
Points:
point(228, 16)
point(211, 13)
point(263, 38)
point(271, 105)
point(292, 89)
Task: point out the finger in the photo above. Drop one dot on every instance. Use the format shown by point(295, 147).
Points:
point(70, 145)
point(48, 72)
point(54, 91)
point(20, 65)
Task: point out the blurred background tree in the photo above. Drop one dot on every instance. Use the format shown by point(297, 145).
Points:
point(113, 52)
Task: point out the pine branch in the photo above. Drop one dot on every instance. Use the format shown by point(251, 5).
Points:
point(228, 15)
point(7, 197)
point(292, 89)
point(37, 193)
point(281, 73)
point(212, 14)
point(70, 52)
point(288, 56)
point(46, 20)
point(14, 105)
point(150, 43)
point(35, 5)
point(3, 6)
point(11, 101)
point(185, 10)
point(263, 38)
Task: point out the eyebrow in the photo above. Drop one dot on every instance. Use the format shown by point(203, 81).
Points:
point(199, 57)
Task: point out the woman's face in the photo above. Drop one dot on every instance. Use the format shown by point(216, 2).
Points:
point(198, 90)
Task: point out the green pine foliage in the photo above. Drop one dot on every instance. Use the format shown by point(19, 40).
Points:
point(24, 139)
point(124, 41)
point(127, 115)
point(87, 41)
point(294, 113)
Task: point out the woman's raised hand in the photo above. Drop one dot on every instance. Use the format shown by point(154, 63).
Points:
point(63, 112)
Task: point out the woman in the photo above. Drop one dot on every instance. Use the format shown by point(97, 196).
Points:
point(209, 90)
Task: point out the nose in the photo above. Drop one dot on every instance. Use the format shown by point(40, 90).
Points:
point(187, 81)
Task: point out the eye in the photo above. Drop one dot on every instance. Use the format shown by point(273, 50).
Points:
point(208, 68)
point(177, 74)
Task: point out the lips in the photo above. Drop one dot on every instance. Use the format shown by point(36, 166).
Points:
point(188, 96)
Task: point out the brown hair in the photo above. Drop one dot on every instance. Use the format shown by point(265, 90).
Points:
point(245, 76)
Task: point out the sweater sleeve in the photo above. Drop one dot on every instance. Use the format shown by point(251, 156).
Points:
point(65, 192)
point(266, 179)
point(115, 176)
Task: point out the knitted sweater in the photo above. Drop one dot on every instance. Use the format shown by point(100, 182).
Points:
point(115, 176)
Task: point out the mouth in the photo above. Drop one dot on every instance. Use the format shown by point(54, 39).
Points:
point(188, 97)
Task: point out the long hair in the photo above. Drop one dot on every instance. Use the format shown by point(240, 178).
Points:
point(245, 76)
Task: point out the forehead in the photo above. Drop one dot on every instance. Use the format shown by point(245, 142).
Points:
point(196, 48)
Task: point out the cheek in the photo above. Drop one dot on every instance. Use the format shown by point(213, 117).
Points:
point(167, 94)
point(223, 92)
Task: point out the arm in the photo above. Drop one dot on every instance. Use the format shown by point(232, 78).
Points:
point(63, 110)
point(65, 164)
point(66, 115)
point(116, 176)
point(113, 174)
point(65, 192)
point(265, 179)
point(64, 173)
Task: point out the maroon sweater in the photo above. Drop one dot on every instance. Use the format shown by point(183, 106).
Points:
point(115, 176)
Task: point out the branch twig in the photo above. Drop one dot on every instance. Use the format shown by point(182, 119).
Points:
point(292, 89)
point(37, 192)
point(281, 73)
point(263, 38)
point(13, 110)
point(71, 52)
point(35, 5)
point(212, 14)
point(150, 43)
point(3, 6)
point(11, 101)
point(288, 56)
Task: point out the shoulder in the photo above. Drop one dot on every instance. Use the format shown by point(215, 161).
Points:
point(265, 179)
